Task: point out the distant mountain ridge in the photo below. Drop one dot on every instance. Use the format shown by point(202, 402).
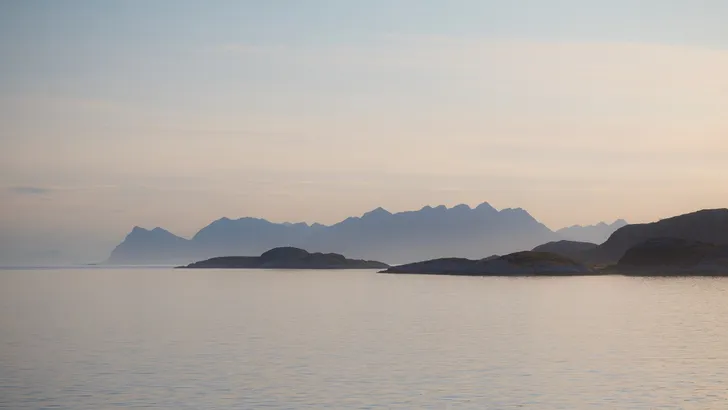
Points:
point(431, 232)
point(598, 233)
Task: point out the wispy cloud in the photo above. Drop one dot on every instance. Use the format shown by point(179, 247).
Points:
point(28, 190)
point(38, 190)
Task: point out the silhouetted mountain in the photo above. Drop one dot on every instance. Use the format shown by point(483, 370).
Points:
point(156, 246)
point(432, 232)
point(569, 249)
point(379, 235)
point(515, 264)
point(251, 236)
point(674, 256)
point(592, 233)
point(709, 226)
point(287, 258)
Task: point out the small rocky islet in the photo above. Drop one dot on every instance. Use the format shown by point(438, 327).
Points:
point(287, 258)
point(519, 263)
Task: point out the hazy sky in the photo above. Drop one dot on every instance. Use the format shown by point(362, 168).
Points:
point(175, 113)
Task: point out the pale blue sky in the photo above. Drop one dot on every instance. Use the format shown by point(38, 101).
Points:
point(175, 113)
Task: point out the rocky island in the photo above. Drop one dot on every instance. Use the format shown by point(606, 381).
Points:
point(286, 258)
point(673, 257)
point(527, 263)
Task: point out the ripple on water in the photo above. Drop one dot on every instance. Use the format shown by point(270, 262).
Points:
point(92, 339)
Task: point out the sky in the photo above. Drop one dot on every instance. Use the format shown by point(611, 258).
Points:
point(175, 113)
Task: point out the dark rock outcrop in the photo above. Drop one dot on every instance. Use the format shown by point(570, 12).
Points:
point(709, 226)
point(526, 263)
point(673, 256)
point(287, 258)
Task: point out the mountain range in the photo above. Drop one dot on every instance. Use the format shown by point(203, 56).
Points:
point(431, 232)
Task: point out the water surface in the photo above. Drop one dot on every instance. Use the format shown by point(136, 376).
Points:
point(160, 338)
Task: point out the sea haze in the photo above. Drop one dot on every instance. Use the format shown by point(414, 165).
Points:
point(402, 237)
point(203, 339)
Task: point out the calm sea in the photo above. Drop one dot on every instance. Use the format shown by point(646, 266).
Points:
point(159, 338)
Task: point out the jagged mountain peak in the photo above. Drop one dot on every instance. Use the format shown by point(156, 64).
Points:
point(461, 207)
point(597, 233)
point(485, 206)
point(377, 212)
point(138, 230)
point(517, 212)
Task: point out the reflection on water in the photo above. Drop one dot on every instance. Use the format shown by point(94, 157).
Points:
point(92, 339)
